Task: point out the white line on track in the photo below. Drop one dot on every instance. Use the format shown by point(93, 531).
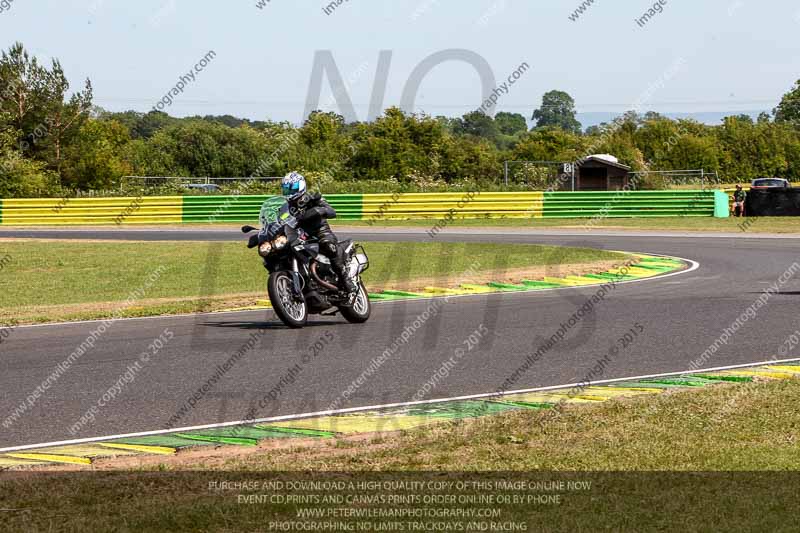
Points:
point(350, 410)
point(694, 265)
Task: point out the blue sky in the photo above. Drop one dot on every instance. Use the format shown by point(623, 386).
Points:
point(737, 54)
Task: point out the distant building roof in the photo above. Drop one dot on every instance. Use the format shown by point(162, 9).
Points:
point(607, 159)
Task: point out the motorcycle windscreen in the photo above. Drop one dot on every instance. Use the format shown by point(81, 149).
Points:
point(272, 209)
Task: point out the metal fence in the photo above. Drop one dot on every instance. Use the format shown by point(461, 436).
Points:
point(677, 179)
point(150, 181)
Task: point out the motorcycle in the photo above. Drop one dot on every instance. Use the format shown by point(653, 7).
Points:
point(301, 280)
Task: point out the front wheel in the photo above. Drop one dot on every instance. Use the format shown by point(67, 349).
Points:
point(292, 311)
point(359, 312)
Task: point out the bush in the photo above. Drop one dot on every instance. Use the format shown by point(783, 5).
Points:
point(26, 178)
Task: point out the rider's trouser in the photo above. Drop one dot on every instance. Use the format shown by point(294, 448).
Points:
point(328, 246)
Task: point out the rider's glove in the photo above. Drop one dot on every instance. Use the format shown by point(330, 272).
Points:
point(311, 213)
point(291, 222)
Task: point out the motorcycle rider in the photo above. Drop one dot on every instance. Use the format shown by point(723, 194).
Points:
point(312, 213)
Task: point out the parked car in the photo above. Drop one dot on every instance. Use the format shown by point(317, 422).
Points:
point(205, 187)
point(770, 183)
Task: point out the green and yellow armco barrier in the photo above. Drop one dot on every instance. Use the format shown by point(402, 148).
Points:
point(367, 207)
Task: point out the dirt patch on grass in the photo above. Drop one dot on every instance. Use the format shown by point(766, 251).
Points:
point(145, 307)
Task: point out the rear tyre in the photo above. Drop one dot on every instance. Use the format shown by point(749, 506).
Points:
point(359, 312)
point(291, 311)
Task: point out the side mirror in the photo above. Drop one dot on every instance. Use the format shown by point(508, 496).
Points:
point(248, 229)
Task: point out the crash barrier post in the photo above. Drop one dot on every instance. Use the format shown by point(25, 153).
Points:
point(721, 204)
point(371, 208)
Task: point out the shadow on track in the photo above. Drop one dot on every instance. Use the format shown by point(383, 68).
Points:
point(781, 293)
point(261, 325)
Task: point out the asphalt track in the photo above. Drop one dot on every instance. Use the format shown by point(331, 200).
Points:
point(681, 317)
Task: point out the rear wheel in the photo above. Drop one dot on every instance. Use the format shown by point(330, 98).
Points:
point(359, 312)
point(292, 311)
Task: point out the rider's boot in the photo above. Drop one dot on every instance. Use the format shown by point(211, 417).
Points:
point(346, 284)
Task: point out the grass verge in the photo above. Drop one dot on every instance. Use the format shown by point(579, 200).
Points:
point(43, 281)
point(640, 455)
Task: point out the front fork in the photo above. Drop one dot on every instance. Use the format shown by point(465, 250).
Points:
point(297, 281)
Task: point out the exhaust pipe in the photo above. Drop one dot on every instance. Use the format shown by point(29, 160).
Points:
point(320, 280)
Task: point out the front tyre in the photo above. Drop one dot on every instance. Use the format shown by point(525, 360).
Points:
point(359, 312)
point(291, 311)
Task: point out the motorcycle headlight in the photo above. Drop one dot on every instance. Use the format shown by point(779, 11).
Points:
point(280, 242)
point(264, 249)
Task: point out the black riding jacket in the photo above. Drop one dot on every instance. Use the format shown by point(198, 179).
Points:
point(313, 212)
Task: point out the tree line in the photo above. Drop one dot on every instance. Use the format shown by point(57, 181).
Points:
point(54, 142)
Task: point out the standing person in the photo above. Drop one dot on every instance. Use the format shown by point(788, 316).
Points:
point(738, 201)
